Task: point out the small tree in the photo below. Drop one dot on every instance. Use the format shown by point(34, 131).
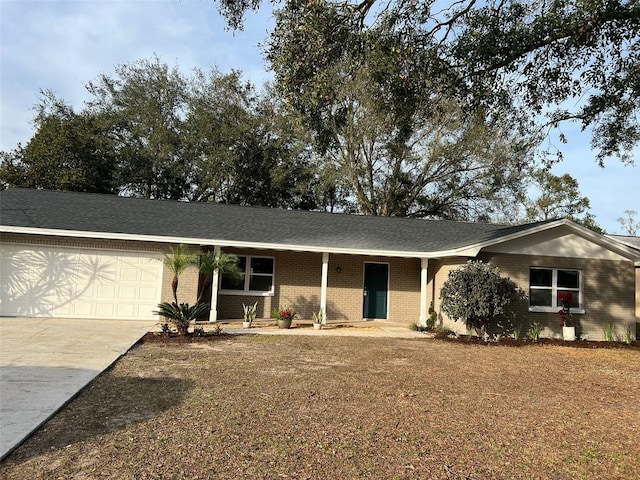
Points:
point(181, 258)
point(209, 262)
point(476, 293)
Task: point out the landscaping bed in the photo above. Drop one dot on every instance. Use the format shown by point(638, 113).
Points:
point(522, 342)
point(272, 407)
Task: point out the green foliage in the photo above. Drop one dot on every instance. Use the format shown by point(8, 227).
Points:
point(534, 331)
point(143, 105)
point(629, 335)
point(284, 313)
point(208, 262)
point(249, 312)
point(403, 146)
point(181, 315)
point(475, 293)
point(433, 317)
point(608, 333)
point(67, 152)
point(151, 131)
point(558, 197)
point(319, 317)
point(180, 259)
point(517, 332)
point(558, 61)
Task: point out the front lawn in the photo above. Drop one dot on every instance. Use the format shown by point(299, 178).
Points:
point(344, 408)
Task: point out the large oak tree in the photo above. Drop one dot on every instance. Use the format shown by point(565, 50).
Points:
point(547, 61)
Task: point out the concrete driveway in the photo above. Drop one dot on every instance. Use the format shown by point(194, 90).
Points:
point(45, 362)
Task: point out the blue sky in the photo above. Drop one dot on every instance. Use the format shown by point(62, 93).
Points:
point(63, 44)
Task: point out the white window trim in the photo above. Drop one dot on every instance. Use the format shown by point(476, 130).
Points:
point(247, 277)
point(554, 291)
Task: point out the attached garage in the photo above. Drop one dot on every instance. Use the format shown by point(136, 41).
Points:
point(66, 282)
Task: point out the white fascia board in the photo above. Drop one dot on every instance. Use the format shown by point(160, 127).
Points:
point(214, 242)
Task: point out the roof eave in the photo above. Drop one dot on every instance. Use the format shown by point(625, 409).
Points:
point(220, 242)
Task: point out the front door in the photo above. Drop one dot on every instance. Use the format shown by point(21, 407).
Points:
point(376, 281)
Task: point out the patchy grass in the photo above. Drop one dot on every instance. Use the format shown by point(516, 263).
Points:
point(344, 407)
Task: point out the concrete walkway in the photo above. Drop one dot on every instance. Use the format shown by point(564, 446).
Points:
point(376, 330)
point(45, 362)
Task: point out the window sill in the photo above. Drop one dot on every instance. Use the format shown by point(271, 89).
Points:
point(249, 293)
point(578, 311)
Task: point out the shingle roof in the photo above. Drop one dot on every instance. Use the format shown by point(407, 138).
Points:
point(83, 212)
point(629, 240)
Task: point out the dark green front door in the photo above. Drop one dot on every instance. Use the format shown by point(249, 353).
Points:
point(376, 281)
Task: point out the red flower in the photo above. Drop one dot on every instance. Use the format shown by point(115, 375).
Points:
point(566, 298)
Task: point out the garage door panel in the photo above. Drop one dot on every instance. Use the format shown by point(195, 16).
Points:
point(126, 310)
point(127, 293)
point(106, 310)
point(78, 283)
point(84, 309)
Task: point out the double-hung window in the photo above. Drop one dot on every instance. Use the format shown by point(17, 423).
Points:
point(548, 287)
point(255, 278)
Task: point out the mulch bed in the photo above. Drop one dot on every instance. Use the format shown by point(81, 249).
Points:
point(523, 342)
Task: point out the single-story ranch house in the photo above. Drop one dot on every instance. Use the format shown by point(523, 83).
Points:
point(79, 255)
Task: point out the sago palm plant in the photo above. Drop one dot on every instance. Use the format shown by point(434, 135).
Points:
point(181, 315)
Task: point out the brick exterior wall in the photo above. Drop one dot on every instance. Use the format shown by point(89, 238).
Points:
point(298, 285)
point(608, 293)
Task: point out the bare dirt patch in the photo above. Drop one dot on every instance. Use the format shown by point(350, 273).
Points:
point(347, 407)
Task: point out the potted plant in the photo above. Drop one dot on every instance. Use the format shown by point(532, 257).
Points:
point(318, 319)
point(284, 316)
point(568, 328)
point(249, 312)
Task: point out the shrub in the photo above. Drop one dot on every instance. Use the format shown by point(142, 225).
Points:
point(475, 293)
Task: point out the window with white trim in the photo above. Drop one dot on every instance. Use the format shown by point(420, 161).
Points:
point(548, 286)
point(256, 277)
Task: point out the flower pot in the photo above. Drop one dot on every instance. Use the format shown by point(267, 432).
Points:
point(317, 326)
point(284, 323)
point(569, 333)
point(246, 324)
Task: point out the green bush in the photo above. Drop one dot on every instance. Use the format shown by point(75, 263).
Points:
point(475, 293)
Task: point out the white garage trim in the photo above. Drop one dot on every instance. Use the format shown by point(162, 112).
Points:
point(73, 282)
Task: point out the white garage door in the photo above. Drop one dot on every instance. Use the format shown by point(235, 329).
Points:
point(43, 281)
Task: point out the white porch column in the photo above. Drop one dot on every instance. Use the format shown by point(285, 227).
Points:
point(323, 286)
point(213, 313)
point(424, 309)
